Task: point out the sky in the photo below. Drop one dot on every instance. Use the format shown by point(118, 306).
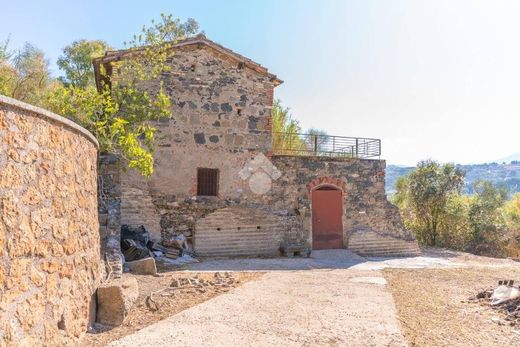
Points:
point(431, 79)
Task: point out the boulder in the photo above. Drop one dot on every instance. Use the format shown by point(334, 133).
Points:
point(114, 300)
point(144, 266)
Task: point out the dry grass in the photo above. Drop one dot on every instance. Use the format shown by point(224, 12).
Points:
point(141, 315)
point(434, 309)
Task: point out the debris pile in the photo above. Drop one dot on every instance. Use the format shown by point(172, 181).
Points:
point(136, 245)
point(505, 299)
point(221, 282)
point(177, 246)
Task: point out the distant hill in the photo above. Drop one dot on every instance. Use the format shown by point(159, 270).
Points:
point(509, 158)
point(506, 175)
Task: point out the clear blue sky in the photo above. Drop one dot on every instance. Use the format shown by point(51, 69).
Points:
point(432, 79)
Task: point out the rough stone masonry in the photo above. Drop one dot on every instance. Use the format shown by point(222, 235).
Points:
point(221, 106)
point(49, 241)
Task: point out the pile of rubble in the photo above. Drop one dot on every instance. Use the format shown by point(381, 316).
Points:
point(505, 298)
point(139, 251)
point(222, 282)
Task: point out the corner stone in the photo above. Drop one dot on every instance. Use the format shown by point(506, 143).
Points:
point(115, 299)
point(144, 266)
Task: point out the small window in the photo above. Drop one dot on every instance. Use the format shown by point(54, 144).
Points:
point(207, 182)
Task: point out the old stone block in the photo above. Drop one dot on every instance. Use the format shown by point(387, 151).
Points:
point(199, 138)
point(226, 107)
point(31, 311)
point(115, 299)
point(10, 177)
point(144, 266)
point(20, 245)
point(37, 277)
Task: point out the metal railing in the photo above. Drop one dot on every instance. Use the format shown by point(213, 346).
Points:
point(325, 145)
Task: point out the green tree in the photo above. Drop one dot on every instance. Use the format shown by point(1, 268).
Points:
point(121, 116)
point(486, 220)
point(318, 141)
point(425, 194)
point(25, 75)
point(286, 129)
point(512, 211)
point(76, 62)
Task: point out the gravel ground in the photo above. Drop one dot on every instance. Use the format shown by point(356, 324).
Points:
point(434, 309)
point(290, 308)
point(334, 298)
point(142, 314)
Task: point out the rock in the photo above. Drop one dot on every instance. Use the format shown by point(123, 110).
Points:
point(114, 300)
point(503, 293)
point(144, 266)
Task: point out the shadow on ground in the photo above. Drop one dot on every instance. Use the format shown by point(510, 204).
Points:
point(322, 259)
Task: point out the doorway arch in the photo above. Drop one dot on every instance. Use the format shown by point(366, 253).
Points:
point(327, 217)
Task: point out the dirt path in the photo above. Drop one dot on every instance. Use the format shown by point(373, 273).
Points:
point(286, 308)
point(335, 298)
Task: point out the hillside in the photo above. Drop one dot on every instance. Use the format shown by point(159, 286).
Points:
point(506, 175)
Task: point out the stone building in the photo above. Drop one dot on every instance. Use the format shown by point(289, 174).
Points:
point(219, 180)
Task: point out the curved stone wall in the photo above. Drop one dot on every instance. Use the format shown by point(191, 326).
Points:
point(49, 240)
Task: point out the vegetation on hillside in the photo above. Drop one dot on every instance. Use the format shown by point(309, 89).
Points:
point(432, 206)
point(506, 175)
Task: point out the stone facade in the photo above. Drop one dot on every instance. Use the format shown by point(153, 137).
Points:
point(49, 241)
point(362, 182)
point(222, 120)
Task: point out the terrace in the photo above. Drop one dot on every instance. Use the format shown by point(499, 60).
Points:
point(325, 145)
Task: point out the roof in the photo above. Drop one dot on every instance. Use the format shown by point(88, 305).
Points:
point(199, 39)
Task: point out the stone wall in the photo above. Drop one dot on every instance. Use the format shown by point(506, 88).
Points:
point(283, 214)
point(221, 119)
point(362, 181)
point(109, 209)
point(49, 241)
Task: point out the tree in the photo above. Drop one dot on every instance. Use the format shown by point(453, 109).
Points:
point(512, 209)
point(486, 221)
point(121, 115)
point(76, 62)
point(425, 193)
point(318, 141)
point(285, 129)
point(25, 75)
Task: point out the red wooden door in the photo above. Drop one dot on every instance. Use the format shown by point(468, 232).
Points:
point(327, 224)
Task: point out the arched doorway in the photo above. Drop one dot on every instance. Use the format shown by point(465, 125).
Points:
point(327, 217)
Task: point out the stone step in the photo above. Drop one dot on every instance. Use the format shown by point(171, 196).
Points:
point(377, 243)
point(388, 254)
point(377, 238)
point(376, 249)
point(371, 244)
point(382, 250)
